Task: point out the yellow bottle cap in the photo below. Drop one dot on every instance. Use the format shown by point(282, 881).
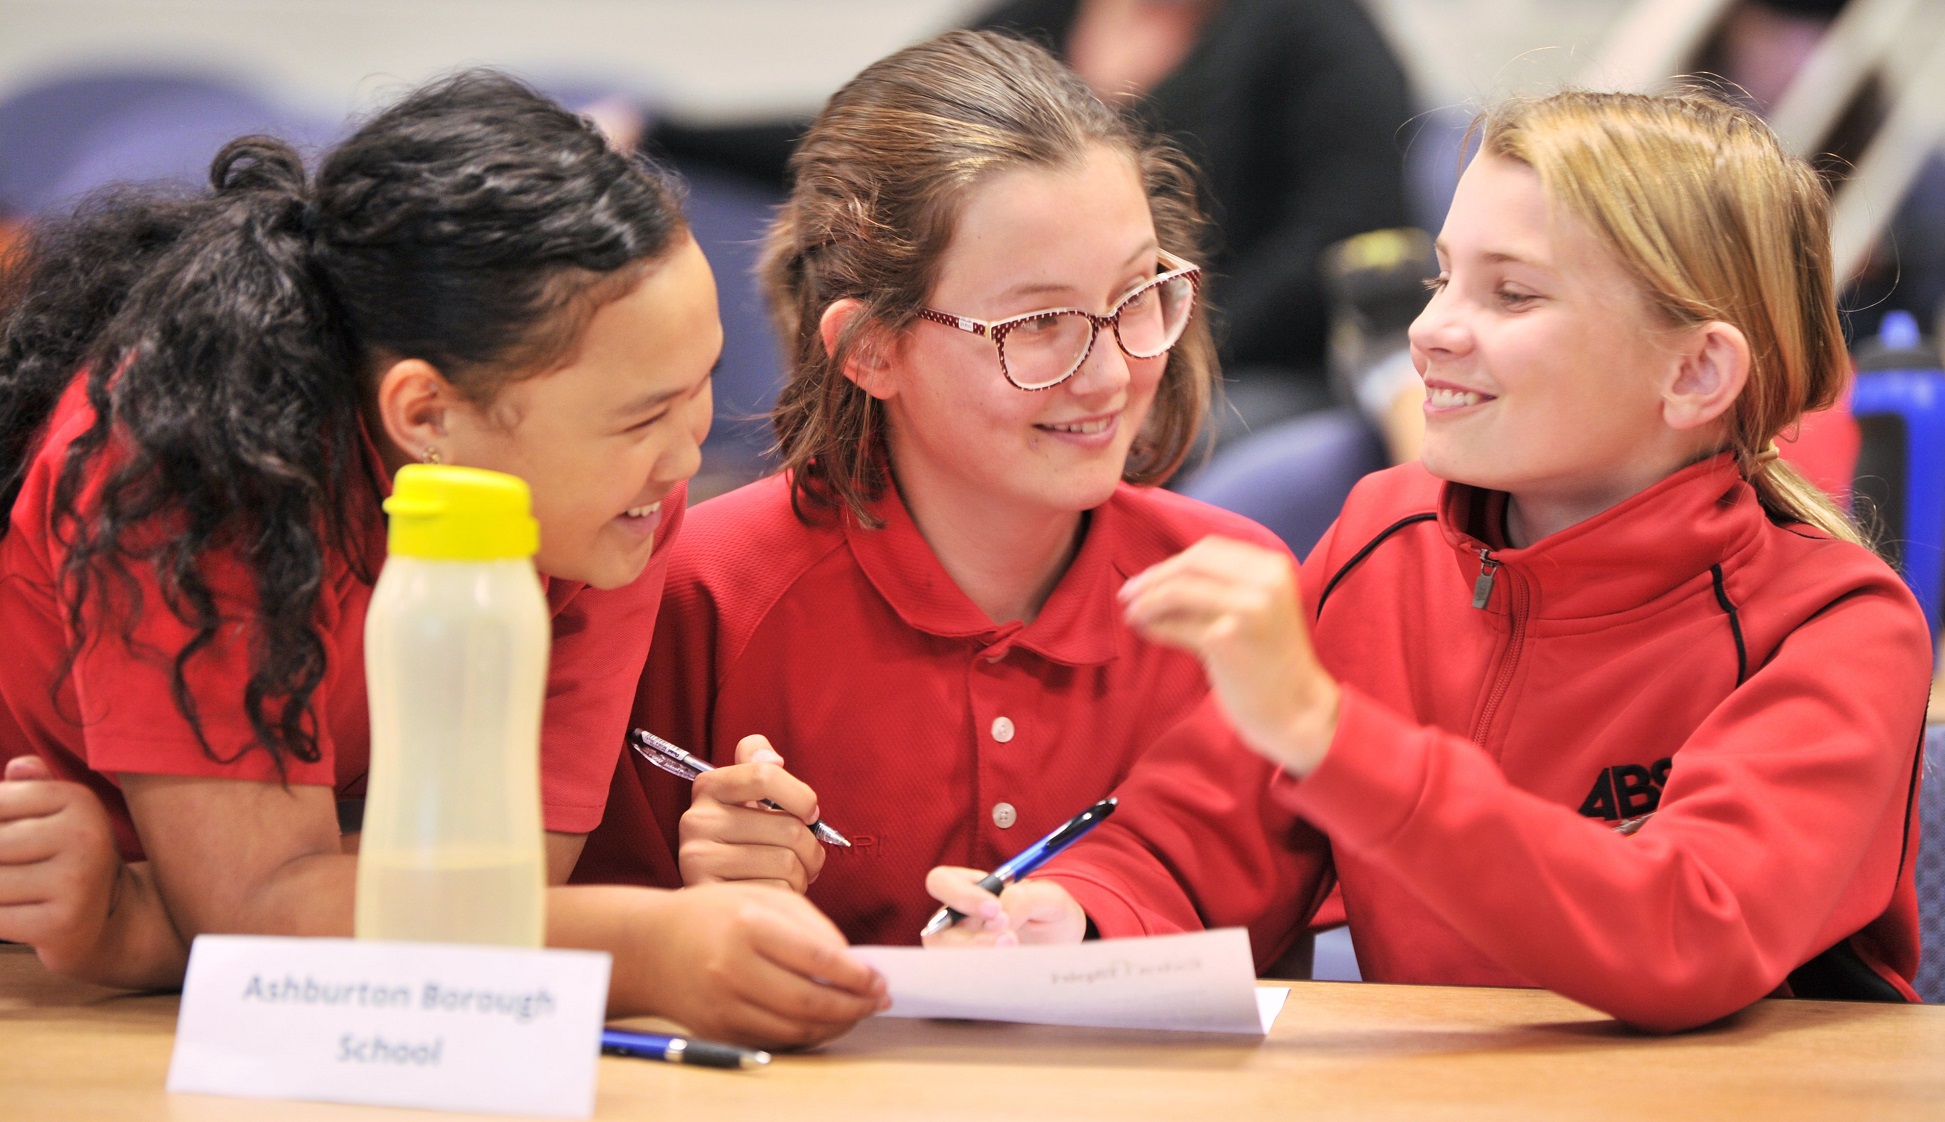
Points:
point(460, 514)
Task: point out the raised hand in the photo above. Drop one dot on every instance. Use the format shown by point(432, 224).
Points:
point(1235, 607)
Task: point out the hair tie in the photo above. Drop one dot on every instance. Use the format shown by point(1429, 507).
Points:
point(1761, 459)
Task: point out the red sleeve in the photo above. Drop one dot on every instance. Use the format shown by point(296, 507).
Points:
point(600, 641)
point(1197, 841)
point(1770, 844)
point(115, 709)
point(636, 842)
point(676, 701)
point(125, 692)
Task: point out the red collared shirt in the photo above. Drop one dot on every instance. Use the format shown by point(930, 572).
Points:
point(114, 710)
point(931, 734)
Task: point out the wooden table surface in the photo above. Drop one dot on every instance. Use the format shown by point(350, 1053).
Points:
point(1338, 1051)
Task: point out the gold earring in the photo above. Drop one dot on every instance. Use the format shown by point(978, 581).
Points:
point(430, 455)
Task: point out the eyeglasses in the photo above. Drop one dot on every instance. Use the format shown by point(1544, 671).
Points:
point(1040, 350)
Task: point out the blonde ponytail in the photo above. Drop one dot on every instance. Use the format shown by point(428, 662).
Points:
point(1789, 497)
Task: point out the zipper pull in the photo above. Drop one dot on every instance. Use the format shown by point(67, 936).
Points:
point(1482, 589)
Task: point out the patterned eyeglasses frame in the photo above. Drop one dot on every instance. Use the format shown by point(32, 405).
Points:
point(1179, 282)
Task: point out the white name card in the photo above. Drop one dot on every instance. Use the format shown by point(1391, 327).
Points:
point(443, 1026)
point(1201, 982)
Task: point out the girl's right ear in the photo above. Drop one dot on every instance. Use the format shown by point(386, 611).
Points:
point(867, 365)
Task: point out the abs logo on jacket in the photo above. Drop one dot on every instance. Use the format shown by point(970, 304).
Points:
point(1626, 793)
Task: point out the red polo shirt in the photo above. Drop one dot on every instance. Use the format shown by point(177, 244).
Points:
point(931, 734)
point(114, 710)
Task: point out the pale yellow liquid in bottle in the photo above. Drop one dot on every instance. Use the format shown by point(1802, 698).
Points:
point(456, 666)
point(454, 898)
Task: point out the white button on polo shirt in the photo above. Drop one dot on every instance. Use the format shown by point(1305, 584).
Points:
point(1002, 729)
point(1004, 815)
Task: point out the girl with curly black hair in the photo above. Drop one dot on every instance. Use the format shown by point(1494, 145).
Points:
point(202, 402)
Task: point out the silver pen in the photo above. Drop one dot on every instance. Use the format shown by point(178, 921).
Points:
point(682, 765)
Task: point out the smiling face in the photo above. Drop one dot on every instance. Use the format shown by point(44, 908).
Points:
point(1027, 240)
point(1544, 367)
point(602, 440)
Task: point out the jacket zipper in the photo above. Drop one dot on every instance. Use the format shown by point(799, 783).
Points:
point(1482, 590)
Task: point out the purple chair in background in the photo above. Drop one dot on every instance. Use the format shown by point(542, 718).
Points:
point(69, 136)
point(1931, 869)
point(72, 135)
point(728, 214)
point(1292, 477)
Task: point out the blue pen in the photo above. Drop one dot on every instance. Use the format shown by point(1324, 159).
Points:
point(683, 765)
point(679, 1049)
point(1029, 859)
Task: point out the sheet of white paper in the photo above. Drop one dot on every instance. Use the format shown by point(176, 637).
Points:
point(1269, 1002)
point(1204, 982)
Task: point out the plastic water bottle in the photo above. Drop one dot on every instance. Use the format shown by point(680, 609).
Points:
point(456, 644)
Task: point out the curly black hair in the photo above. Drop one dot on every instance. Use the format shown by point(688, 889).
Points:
point(229, 340)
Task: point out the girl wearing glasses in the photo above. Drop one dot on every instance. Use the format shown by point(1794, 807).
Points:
point(1603, 697)
point(984, 283)
point(204, 401)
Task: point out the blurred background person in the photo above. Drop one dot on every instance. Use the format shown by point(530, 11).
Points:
point(1760, 48)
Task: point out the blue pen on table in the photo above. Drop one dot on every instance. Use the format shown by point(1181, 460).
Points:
point(679, 1049)
point(683, 765)
point(1029, 859)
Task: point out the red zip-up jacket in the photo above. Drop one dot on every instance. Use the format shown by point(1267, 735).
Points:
point(1662, 762)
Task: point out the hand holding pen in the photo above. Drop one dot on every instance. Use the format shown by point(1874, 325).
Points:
point(733, 830)
point(1006, 910)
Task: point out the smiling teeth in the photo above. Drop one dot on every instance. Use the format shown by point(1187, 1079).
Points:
point(1442, 398)
point(643, 511)
point(1085, 428)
